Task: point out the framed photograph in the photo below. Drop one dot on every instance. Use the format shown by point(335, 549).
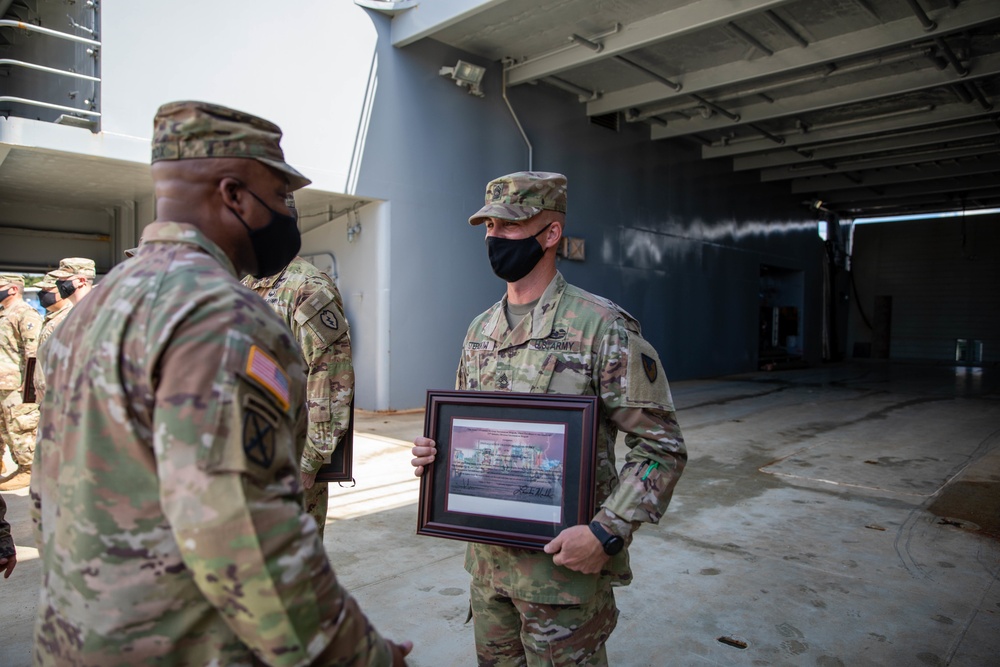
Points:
point(511, 469)
point(341, 465)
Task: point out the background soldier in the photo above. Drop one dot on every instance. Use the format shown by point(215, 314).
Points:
point(56, 310)
point(310, 304)
point(75, 278)
point(20, 325)
point(545, 336)
point(8, 553)
point(166, 493)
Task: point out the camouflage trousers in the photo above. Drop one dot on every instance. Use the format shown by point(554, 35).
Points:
point(516, 633)
point(18, 427)
point(316, 501)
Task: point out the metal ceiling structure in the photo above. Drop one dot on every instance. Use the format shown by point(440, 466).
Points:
point(862, 107)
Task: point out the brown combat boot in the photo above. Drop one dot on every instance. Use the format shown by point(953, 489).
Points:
point(18, 481)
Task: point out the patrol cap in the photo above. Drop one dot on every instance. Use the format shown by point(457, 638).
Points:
point(188, 130)
point(71, 267)
point(11, 279)
point(49, 281)
point(522, 195)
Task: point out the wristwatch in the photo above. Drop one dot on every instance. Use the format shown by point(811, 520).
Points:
point(612, 543)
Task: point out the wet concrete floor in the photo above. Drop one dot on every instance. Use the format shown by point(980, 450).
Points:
point(842, 515)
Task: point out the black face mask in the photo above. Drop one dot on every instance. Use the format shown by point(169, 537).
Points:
point(513, 259)
point(65, 287)
point(4, 294)
point(47, 299)
point(276, 243)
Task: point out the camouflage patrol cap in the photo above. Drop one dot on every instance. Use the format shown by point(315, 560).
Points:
point(11, 279)
point(71, 267)
point(522, 195)
point(188, 130)
point(49, 281)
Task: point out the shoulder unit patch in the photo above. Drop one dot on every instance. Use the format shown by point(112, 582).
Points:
point(649, 366)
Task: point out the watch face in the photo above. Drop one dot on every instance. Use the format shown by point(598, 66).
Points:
point(613, 545)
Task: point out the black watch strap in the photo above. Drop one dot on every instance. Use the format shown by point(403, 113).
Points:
point(611, 543)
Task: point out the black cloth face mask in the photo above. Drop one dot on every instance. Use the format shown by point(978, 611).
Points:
point(47, 299)
point(4, 294)
point(513, 259)
point(276, 243)
point(65, 287)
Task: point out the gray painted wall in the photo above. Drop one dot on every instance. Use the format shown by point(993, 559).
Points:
point(942, 275)
point(675, 241)
point(48, 51)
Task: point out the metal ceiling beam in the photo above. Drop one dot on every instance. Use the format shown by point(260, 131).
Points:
point(851, 131)
point(861, 91)
point(891, 176)
point(940, 201)
point(969, 14)
point(970, 184)
point(895, 209)
point(426, 18)
point(896, 142)
point(690, 18)
point(788, 173)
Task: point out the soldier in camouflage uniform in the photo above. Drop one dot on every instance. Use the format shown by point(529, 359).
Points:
point(8, 553)
point(20, 325)
point(310, 304)
point(545, 336)
point(56, 310)
point(75, 278)
point(166, 499)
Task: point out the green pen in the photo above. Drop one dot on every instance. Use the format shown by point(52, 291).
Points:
point(654, 464)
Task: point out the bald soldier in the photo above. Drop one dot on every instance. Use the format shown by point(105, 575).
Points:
point(167, 494)
point(56, 309)
point(310, 304)
point(556, 607)
point(20, 325)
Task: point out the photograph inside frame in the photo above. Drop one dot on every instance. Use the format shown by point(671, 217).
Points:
point(507, 469)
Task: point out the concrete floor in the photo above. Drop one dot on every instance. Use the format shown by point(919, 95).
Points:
point(843, 515)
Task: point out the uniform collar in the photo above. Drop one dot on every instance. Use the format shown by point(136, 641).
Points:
point(536, 325)
point(182, 232)
point(267, 281)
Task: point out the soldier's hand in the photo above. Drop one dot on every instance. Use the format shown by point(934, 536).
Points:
point(7, 565)
point(577, 548)
point(308, 479)
point(424, 450)
point(399, 652)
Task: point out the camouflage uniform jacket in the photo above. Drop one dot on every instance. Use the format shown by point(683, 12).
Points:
point(166, 498)
point(574, 342)
point(6, 541)
point(51, 321)
point(20, 325)
point(310, 304)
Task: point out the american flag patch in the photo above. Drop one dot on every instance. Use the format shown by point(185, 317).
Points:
point(262, 368)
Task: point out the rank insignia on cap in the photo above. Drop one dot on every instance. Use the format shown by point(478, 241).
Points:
point(265, 370)
point(649, 365)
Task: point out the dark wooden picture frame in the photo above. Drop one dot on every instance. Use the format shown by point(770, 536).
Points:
point(511, 469)
point(341, 465)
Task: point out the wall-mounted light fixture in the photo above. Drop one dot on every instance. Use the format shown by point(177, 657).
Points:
point(353, 227)
point(466, 75)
